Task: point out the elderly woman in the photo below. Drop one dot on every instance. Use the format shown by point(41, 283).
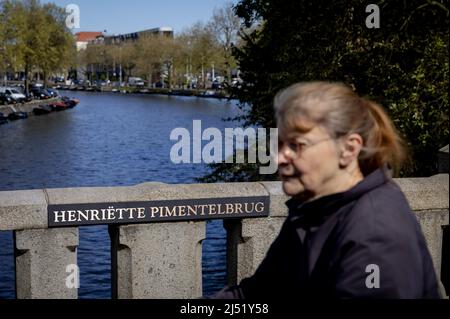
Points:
point(350, 232)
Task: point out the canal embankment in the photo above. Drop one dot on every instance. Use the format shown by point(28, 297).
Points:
point(218, 94)
point(25, 107)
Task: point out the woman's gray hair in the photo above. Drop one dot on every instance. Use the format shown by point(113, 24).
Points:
point(341, 111)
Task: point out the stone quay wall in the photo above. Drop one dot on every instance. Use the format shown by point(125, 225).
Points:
point(25, 107)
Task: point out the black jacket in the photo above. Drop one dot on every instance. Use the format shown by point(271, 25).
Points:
point(335, 246)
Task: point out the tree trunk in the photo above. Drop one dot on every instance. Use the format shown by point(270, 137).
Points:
point(169, 76)
point(27, 67)
point(45, 79)
point(203, 77)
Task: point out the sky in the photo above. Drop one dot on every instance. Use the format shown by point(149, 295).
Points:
point(119, 16)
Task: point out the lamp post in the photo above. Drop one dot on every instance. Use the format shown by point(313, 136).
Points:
point(189, 65)
point(120, 64)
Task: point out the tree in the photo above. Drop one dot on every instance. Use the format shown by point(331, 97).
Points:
point(204, 50)
point(35, 38)
point(403, 65)
point(168, 54)
point(60, 49)
point(13, 45)
point(147, 62)
point(129, 55)
point(92, 57)
point(183, 65)
point(225, 25)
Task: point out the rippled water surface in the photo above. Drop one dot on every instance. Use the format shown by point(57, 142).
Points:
point(107, 140)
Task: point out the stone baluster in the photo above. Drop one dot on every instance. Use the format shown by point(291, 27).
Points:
point(161, 260)
point(46, 262)
point(248, 240)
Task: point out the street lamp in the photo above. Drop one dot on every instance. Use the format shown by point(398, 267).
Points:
point(120, 64)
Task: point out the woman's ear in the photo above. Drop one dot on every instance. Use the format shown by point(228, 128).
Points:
point(350, 148)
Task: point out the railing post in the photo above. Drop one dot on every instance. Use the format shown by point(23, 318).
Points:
point(428, 198)
point(162, 260)
point(42, 257)
point(249, 240)
point(443, 160)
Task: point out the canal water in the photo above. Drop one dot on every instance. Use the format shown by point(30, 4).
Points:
point(107, 140)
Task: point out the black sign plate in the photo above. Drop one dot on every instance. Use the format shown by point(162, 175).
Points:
point(157, 211)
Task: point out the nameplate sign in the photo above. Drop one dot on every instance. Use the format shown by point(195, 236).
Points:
point(157, 211)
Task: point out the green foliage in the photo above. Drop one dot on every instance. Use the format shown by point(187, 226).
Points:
point(403, 65)
point(34, 37)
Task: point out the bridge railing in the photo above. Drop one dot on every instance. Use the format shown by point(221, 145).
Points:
point(164, 260)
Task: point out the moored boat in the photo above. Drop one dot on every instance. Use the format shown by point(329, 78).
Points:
point(59, 106)
point(210, 94)
point(42, 109)
point(70, 102)
point(17, 116)
point(3, 119)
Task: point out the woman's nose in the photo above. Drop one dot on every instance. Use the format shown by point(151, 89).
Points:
point(283, 158)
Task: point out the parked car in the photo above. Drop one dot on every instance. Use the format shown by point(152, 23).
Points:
point(14, 94)
point(81, 82)
point(236, 82)
point(216, 85)
point(52, 92)
point(58, 79)
point(102, 83)
point(5, 99)
point(135, 81)
point(40, 93)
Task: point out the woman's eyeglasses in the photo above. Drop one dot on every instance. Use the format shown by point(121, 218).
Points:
point(296, 148)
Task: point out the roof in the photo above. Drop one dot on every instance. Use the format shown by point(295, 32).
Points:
point(87, 36)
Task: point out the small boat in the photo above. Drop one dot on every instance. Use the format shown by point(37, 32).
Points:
point(42, 109)
point(58, 106)
point(210, 94)
point(70, 102)
point(17, 116)
point(3, 119)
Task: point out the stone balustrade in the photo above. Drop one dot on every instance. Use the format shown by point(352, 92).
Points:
point(164, 260)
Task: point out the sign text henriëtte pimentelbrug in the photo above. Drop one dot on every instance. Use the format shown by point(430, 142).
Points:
point(156, 211)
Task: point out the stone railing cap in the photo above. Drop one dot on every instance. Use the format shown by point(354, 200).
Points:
point(28, 209)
